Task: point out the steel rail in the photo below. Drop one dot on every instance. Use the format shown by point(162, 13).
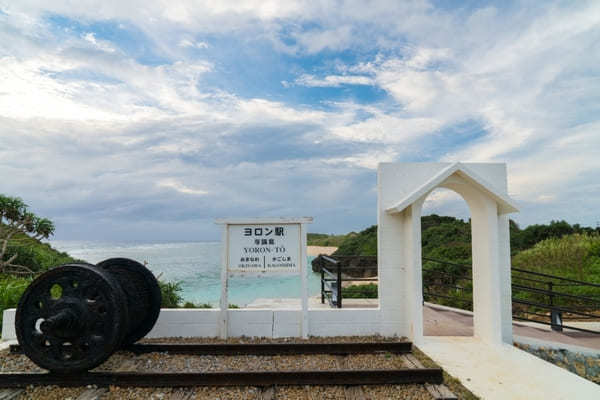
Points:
point(329, 259)
point(548, 307)
point(447, 262)
point(333, 276)
point(265, 348)
point(581, 283)
point(268, 378)
point(554, 293)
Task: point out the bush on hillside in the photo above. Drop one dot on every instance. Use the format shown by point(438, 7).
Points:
point(321, 239)
point(521, 239)
point(363, 243)
point(575, 256)
point(441, 236)
point(37, 256)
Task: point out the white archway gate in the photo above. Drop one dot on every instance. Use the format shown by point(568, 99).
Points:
point(402, 190)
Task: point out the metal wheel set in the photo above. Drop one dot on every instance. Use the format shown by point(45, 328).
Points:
point(73, 317)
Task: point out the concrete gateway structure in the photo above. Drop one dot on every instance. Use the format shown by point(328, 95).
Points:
point(402, 190)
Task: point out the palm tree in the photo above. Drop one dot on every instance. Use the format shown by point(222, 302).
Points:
point(16, 218)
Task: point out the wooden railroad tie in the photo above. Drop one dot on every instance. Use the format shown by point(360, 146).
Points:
point(439, 392)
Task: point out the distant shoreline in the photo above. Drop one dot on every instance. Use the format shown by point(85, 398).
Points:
point(316, 250)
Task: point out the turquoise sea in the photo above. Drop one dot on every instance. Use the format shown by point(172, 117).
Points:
point(196, 265)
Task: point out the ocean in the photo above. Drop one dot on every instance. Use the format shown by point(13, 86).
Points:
point(196, 265)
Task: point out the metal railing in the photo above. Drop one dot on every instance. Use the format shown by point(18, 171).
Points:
point(332, 277)
point(536, 297)
point(532, 294)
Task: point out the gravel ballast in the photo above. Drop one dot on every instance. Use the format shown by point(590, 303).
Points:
point(164, 362)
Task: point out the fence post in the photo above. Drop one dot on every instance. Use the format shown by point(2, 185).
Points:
point(555, 315)
point(322, 280)
point(339, 284)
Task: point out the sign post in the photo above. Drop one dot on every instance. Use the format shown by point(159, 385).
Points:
point(261, 246)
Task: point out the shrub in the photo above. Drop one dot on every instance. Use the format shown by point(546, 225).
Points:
point(37, 256)
point(570, 256)
point(189, 304)
point(11, 289)
point(368, 291)
point(171, 294)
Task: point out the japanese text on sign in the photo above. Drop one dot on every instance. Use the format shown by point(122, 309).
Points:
point(264, 248)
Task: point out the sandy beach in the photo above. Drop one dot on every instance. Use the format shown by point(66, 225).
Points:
point(316, 250)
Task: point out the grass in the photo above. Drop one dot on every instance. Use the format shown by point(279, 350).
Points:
point(321, 239)
point(368, 291)
point(11, 289)
point(575, 256)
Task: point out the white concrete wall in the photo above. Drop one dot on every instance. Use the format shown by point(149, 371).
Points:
point(254, 322)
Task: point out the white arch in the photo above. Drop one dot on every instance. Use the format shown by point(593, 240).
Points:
point(402, 190)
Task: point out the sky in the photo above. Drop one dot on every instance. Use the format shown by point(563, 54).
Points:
point(147, 120)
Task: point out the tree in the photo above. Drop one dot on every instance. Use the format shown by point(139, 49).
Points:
point(15, 219)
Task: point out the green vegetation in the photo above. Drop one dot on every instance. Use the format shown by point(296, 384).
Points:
point(368, 291)
point(17, 225)
point(575, 256)
point(171, 297)
point(11, 289)
point(22, 255)
point(171, 294)
point(558, 248)
point(363, 243)
point(34, 255)
point(528, 237)
point(442, 237)
point(189, 304)
point(449, 238)
point(321, 239)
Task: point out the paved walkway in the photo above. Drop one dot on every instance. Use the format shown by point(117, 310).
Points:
point(445, 322)
point(505, 372)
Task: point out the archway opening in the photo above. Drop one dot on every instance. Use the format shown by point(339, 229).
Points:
point(447, 274)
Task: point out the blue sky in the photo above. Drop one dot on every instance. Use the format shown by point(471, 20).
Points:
point(145, 120)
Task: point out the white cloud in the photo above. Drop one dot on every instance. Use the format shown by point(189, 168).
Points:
point(333, 80)
point(100, 44)
point(143, 134)
point(190, 43)
point(368, 160)
point(181, 188)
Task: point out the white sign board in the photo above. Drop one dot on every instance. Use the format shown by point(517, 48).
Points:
point(260, 248)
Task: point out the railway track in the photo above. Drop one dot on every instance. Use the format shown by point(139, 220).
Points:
point(268, 382)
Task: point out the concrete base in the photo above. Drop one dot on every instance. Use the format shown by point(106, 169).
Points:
point(313, 303)
point(7, 344)
point(505, 372)
point(258, 322)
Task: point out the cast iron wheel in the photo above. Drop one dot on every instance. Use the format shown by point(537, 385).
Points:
point(71, 318)
point(141, 291)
